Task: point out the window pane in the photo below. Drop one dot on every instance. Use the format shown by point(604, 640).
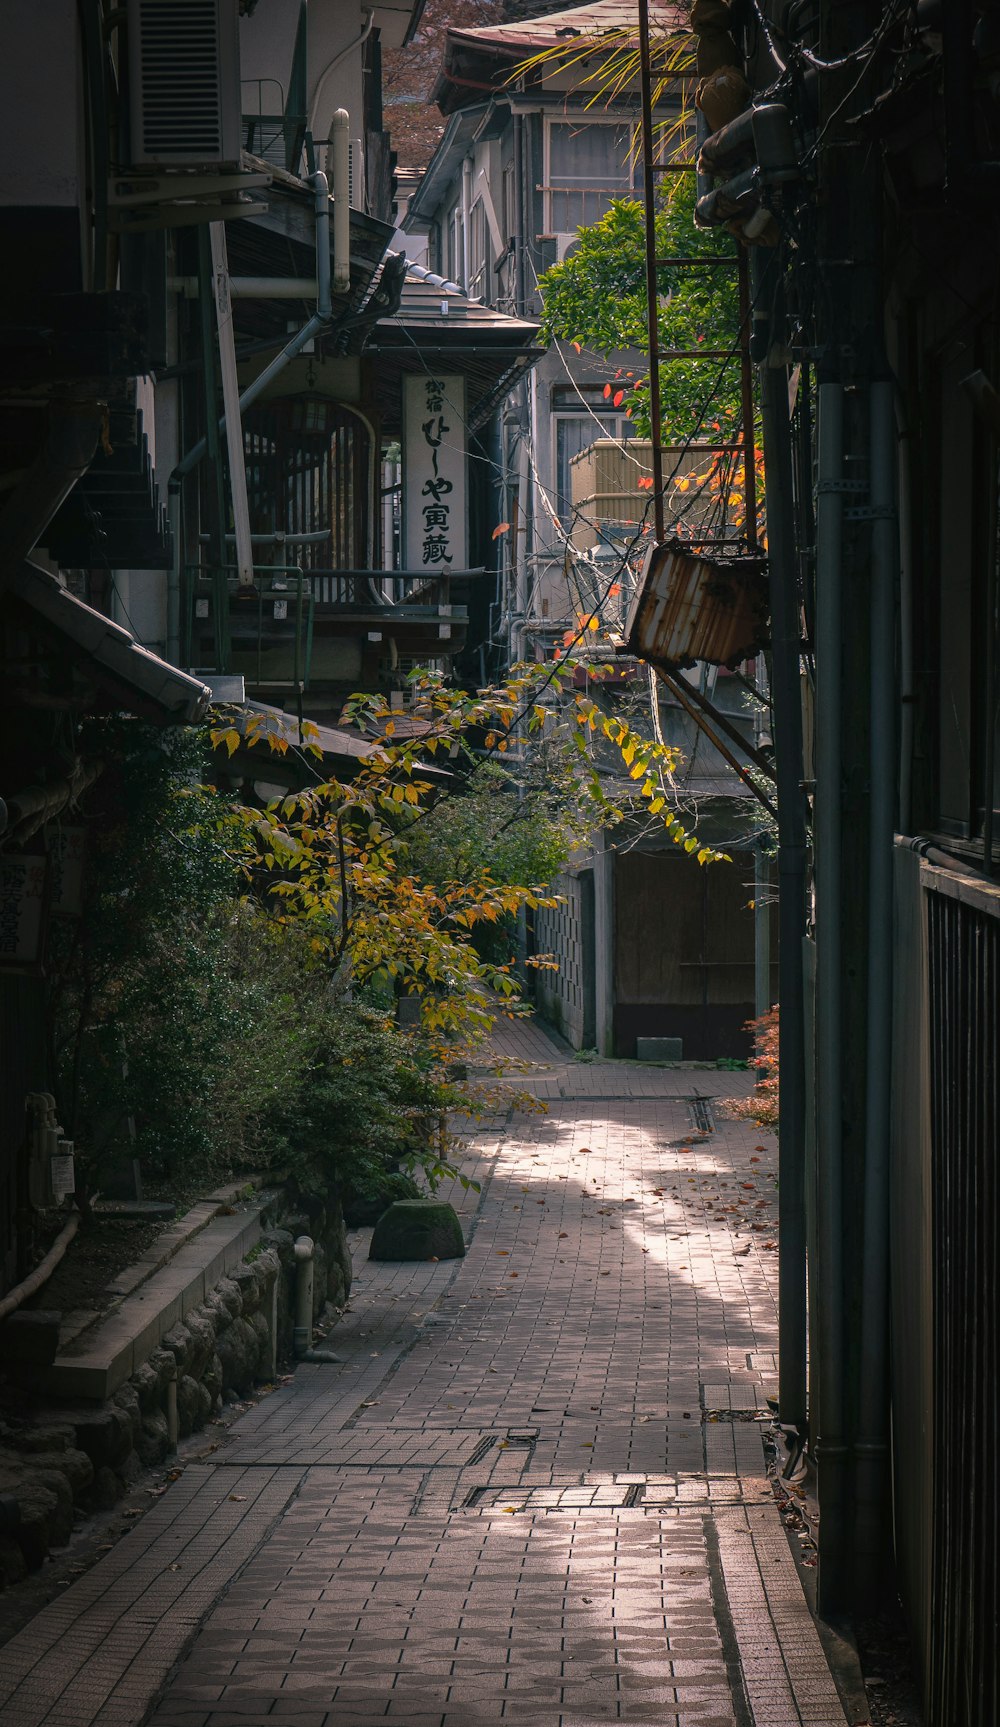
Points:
point(588, 165)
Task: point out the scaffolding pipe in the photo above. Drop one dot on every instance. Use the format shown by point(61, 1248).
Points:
point(312, 328)
point(831, 1449)
point(872, 1444)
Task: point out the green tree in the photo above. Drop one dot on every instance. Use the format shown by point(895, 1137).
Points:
point(596, 299)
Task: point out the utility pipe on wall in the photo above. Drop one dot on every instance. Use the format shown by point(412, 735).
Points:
point(328, 71)
point(305, 1287)
point(831, 1449)
point(872, 1445)
point(231, 402)
point(304, 1250)
point(338, 163)
point(786, 660)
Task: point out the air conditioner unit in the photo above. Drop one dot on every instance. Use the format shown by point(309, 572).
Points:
point(184, 78)
point(553, 249)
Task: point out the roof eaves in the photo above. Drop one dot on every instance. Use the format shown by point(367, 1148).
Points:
point(450, 150)
point(143, 682)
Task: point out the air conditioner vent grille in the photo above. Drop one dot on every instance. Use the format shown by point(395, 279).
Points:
point(184, 67)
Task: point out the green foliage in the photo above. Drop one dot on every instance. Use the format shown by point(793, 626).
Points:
point(596, 299)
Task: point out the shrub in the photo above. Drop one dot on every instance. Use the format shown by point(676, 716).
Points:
point(762, 1104)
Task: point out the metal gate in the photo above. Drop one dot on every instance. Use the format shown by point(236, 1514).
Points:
point(963, 925)
point(309, 470)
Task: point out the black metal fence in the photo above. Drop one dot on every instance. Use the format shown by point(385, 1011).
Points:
point(963, 1023)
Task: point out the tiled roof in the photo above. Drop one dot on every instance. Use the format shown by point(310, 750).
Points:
point(560, 27)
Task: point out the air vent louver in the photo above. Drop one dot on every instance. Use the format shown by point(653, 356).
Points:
point(185, 82)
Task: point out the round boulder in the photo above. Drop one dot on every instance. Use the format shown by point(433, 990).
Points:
point(418, 1229)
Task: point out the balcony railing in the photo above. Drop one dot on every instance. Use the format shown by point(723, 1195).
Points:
point(286, 605)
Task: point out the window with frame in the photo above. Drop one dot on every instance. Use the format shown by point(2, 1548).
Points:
point(587, 163)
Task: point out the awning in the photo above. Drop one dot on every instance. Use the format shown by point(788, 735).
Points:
point(437, 326)
point(133, 678)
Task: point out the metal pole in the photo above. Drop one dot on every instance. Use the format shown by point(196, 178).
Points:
point(231, 403)
point(831, 1448)
point(872, 1444)
point(652, 299)
point(746, 396)
point(787, 699)
point(762, 931)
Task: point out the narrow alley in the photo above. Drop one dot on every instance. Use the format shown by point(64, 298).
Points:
point(534, 1489)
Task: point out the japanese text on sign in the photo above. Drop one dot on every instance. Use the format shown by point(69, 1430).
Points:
point(434, 470)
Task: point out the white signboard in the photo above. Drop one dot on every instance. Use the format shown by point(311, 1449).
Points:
point(436, 537)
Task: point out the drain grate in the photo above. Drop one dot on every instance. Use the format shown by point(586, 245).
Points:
point(701, 1115)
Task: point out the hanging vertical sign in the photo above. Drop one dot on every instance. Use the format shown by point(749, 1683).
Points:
point(436, 537)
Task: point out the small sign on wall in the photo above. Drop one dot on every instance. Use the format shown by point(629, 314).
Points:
point(434, 458)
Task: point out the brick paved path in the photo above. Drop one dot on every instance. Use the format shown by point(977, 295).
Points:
point(523, 1497)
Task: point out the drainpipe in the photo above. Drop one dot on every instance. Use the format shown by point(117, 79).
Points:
point(831, 1450)
point(907, 695)
point(518, 235)
point(519, 609)
point(871, 1448)
point(231, 403)
point(338, 163)
point(313, 327)
point(305, 1278)
point(786, 657)
point(304, 1283)
point(466, 215)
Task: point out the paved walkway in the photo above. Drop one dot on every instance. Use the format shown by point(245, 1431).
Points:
point(534, 1491)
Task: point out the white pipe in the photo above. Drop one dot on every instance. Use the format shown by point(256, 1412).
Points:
point(359, 42)
point(466, 209)
point(304, 1250)
point(231, 403)
point(41, 1274)
point(338, 165)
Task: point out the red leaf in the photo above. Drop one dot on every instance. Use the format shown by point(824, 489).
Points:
point(502, 528)
point(618, 399)
point(607, 391)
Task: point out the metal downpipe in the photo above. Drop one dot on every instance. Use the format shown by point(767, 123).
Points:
point(787, 699)
point(872, 1445)
point(831, 1449)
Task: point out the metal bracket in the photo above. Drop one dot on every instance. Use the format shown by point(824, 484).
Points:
point(840, 486)
point(870, 513)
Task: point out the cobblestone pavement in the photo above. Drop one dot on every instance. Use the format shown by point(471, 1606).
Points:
point(533, 1491)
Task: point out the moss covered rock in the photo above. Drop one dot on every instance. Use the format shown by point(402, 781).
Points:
point(418, 1229)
